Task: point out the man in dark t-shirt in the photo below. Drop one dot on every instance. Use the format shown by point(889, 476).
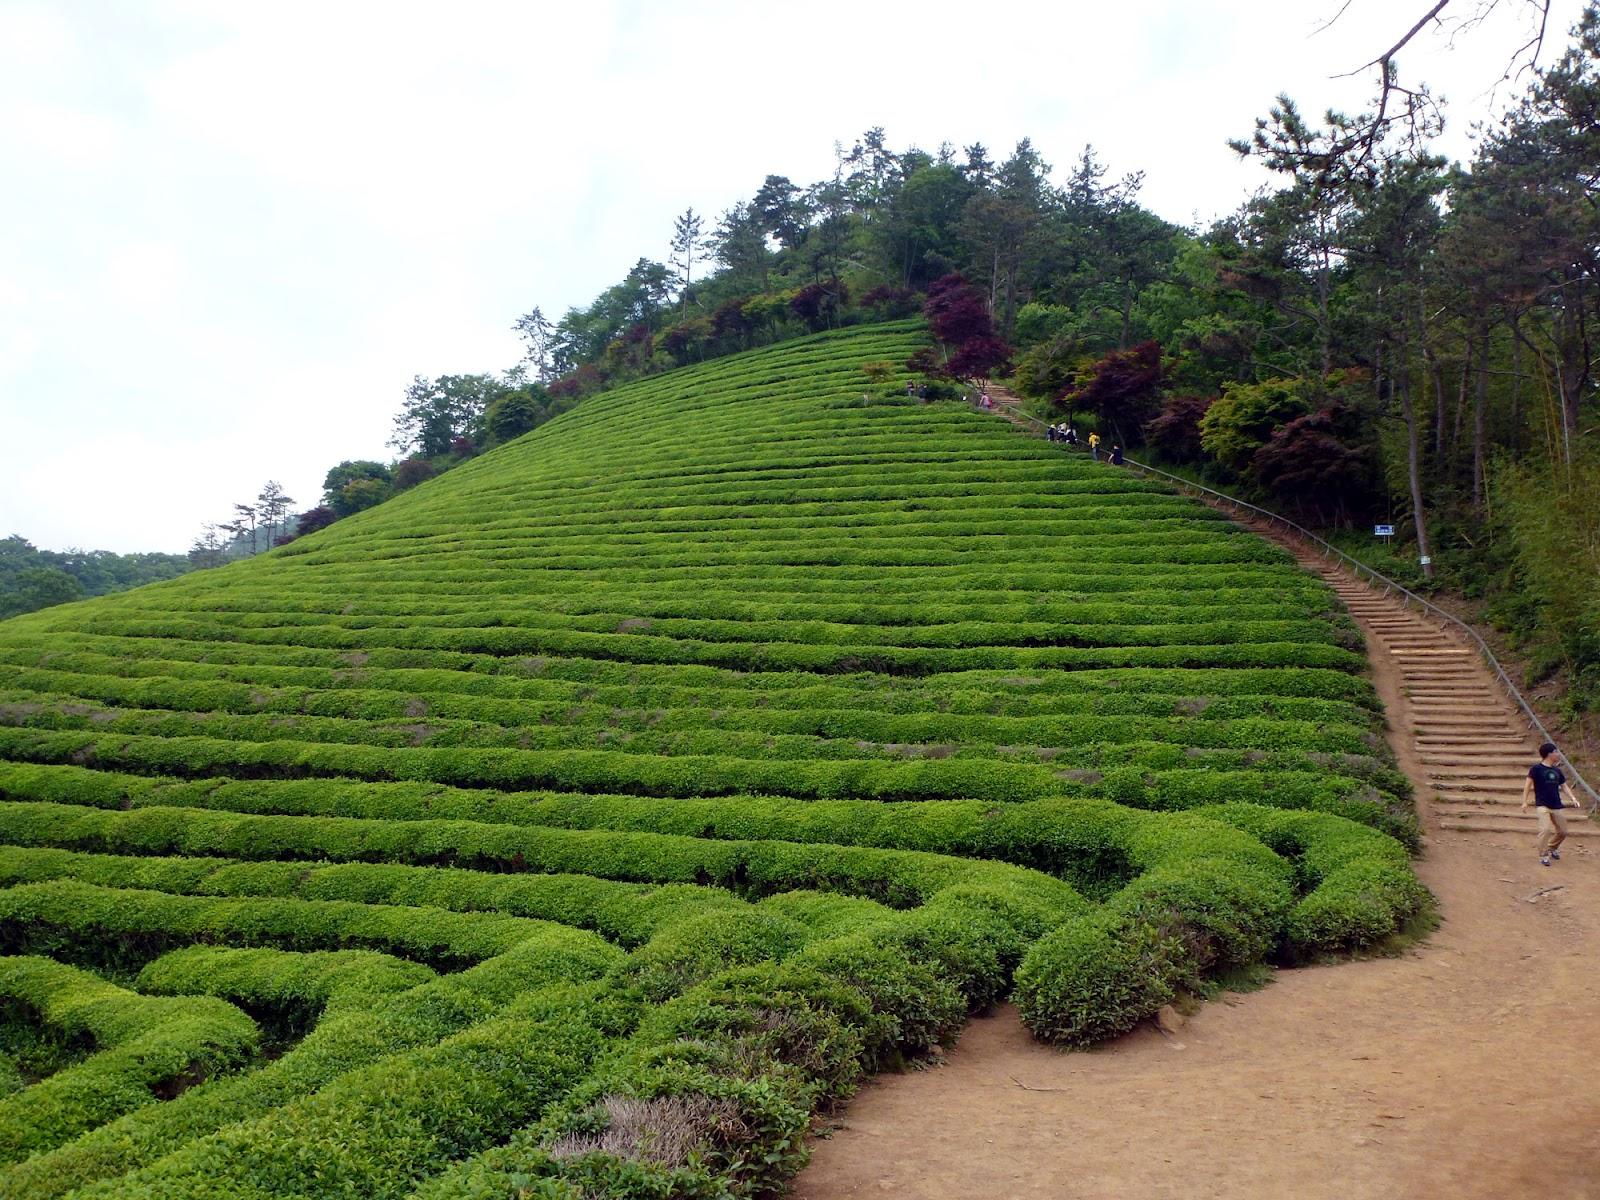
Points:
point(1543, 787)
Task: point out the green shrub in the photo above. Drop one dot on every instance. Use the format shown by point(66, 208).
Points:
point(144, 1046)
point(1095, 978)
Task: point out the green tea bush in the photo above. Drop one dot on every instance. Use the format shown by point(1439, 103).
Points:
point(144, 1046)
point(1095, 978)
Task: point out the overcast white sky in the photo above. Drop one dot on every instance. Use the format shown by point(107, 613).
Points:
point(230, 233)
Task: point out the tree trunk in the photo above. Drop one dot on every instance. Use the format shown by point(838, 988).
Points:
point(1572, 362)
point(1324, 332)
point(1516, 381)
point(1434, 374)
point(1414, 471)
point(1480, 406)
point(1324, 320)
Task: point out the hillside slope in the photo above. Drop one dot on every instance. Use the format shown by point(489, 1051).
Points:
point(595, 813)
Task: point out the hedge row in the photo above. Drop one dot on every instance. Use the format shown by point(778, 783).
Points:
point(1137, 782)
point(145, 1048)
point(819, 736)
point(900, 878)
point(626, 913)
point(1183, 650)
point(824, 710)
point(118, 928)
point(579, 681)
point(1123, 623)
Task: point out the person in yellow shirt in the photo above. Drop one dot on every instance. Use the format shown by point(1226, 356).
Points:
point(1094, 446)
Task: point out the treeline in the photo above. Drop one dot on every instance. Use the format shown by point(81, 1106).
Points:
point(442, 422)
point(1391, 337)
point(32, 579)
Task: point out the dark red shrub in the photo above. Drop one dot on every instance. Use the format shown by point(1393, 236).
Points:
point(960, 320)
point(412, 472)
point(729, 320)
point(1175, 431)
point(314, 519)
point(888, 302)
point(1321, 465)
point(818, 304)
point(1121, 389)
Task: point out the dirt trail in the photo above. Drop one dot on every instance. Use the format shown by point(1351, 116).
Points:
point(1466, 1068)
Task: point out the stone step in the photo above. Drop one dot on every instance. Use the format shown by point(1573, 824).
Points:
point(1478, 739)
point(1482, 762)
point(1431, 723)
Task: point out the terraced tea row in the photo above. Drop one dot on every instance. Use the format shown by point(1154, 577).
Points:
point(580, 822)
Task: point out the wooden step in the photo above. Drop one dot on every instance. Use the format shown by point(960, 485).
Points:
point(1482, 788)
point(1476, 824)
point(1486, 769)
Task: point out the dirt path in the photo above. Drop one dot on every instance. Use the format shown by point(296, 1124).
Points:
point(1466, 1068)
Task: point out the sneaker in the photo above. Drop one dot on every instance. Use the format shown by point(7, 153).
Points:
point(1544, 860)
point(1554, 853)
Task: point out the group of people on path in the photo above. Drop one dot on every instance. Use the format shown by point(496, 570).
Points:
point(1066, 435)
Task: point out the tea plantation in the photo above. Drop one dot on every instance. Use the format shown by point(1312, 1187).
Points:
point(581, 822)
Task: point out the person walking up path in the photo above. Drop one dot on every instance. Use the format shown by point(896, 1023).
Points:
point(1094, 446)
point(1545, 783)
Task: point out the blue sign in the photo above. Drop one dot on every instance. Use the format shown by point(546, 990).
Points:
point(1383, 530)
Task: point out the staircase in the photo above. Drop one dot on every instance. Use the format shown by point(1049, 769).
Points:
point(1471, 740)
point(1468, 736)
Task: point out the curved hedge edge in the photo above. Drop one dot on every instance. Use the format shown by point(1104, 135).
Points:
point(375, 1130)
point(144, 1043)
point(1189, 915)
point(287, 992)
point(714, 1094)
point(1359, 885)
point(546, 967)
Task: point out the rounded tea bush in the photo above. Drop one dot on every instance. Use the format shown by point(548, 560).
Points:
point(1095, 978)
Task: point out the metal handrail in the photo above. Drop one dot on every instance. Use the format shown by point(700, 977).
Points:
point(1377, 577)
